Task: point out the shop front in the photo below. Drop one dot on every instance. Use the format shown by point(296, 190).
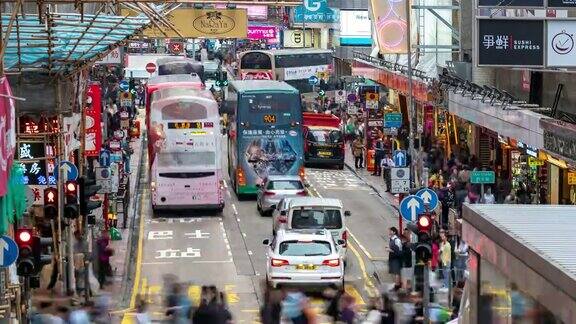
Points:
point(560, 156)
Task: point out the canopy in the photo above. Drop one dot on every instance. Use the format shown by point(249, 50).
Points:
point(65, 41)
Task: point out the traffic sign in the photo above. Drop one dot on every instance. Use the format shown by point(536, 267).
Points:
point(104, 179)
point(482, 177)
point(8, 251)
point(352, 97)
point(393, 120)
point(150, 67)
point(71, 171)
point(313, 80)
point(321, 93)
point(176, 47)
point(399, 158)
point(429, 197)
point(371, 100)
point(124, 85)
point(104, 158)
point(400, 180)
point(340, 97)
point(411, 207)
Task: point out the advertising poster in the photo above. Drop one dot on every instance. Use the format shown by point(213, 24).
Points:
point(561, 52)
point(254, 12)
point(511, 42)
point(93, 130)
point(355, 28)
point(7, 134)
point(390, 26)
point(206, 23)
point(316, 11)
point(303, 72)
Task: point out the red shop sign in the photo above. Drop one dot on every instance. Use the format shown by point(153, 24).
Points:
point(93, 110)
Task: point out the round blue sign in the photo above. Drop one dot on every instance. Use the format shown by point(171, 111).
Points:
point(8, 251)
point(123, 85)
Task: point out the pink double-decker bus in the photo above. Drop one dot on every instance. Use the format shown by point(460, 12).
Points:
point(185, 141)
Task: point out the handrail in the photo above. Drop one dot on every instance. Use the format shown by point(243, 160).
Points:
point(392, 66)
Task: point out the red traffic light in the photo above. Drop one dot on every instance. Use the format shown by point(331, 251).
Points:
point(71, 188)
point(23, 236)
point(50, 196)
point(424, 223)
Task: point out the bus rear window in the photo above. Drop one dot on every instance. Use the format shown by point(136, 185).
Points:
point(256, 60)
point(184, 111)
point(302, 59)
point(186, 175)
point(324, 136)
point(316, 218)
point(186, 159)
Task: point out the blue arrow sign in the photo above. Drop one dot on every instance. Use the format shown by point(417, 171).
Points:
point(411, 207)
point(104, 158)
point(313, 80)
point(70, 169)
point(399, 158)
point(123, 85)
point(429, 197)
point(8, 251)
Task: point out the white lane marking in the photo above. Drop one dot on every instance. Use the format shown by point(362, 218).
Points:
point(234, 209)
point(364, 250)
point(226, 239)
point(249, 252)
point(156, 263)
point(160, 235)
point(225, 184)
point(237, 219)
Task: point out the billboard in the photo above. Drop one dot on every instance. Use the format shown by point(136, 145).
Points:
point(93, 131)
point(7, 133)
point(510, 42)
point(296, 38)
point(315, 11)
point(253, 12)
point(560, 46)
point(208, 23)
point(355, 28)
point(390, 18)
point(262, 32)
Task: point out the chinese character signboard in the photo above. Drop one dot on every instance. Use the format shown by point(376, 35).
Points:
point(35, 173)
point(31, 150)
point(511, 42)
point(316, 11)
point(93, 131)
point(561, 51)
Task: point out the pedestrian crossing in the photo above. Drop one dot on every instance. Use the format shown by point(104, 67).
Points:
point(336, 180)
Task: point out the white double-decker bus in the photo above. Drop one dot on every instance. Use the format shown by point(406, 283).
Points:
point(186, 171)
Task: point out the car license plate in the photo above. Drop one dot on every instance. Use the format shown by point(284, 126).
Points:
point(305, 267)
point(324, 153)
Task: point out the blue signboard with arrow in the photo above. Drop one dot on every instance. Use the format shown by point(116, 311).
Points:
point(399, 158)
point(124, 85)
point(8, 251)
point(70, 169)
point(411, 207)
point(104, 158)
point(429, 197)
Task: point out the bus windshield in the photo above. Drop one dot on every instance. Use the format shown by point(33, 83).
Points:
point(256, 61)
point(278, 102)
point(186, 160)
point(184, 111)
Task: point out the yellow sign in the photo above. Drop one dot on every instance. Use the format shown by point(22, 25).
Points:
point(534, 162)
point(571, 178)
point(193, 23)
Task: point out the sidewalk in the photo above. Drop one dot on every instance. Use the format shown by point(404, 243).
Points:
point(120, 284)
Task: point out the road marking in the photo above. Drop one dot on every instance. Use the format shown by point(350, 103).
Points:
point(156, 263)
point(364, 250)
point(138, 257)
point(234, 209)
point(352, 291)
point(160, 235)
point(368, 285)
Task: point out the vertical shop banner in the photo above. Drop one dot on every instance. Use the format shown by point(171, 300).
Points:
point(7, 133)
point(390, 26)
point(316, 11)
point(93, 130)
point(262, 32)
point(355, 28)
point(511, 42)
point(560, 47)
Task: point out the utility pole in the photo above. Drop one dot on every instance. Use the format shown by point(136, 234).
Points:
point(411, 110)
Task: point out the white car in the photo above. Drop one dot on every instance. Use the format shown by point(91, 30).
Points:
point(304, 258)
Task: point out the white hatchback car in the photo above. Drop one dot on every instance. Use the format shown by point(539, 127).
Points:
point(304, 258)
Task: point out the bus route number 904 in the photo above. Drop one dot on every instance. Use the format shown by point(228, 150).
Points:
point(269, 119)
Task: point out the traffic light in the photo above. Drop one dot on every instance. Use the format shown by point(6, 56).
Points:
point(71, 200)
point(50, 203)
point(25, 262)
point(40, 259)
point(321, 93)
point(87, 188)
point(222, 80)
point(423, 250)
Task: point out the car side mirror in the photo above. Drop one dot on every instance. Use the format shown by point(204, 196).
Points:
point(266, 242)
point(273, 207)
point(347, 213)
point(341, 242)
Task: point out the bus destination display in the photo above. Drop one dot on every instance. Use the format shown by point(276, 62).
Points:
point(270, 119)
point(190, 125)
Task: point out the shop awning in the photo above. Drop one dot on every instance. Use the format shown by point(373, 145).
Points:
point(64, 42)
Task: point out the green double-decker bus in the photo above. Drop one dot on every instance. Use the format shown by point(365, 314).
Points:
point(264, 134)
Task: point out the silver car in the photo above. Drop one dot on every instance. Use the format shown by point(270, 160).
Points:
point(280, 214)
point(303, 258)
point(276, 188)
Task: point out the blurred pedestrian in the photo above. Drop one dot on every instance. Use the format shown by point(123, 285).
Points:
point(394, 255)
point(388, 313)
point(461, 257)
point(270, 312)
point(445, 258)
point(386, 165)
point(406, 272)
point(374, 315)
point(347, 309)
point(358, 152)
point(179, 305)
point(296, 308)
point(488, 197)
point(141, 316)
point(79, 316)
point(378, 156)
point(104, 254)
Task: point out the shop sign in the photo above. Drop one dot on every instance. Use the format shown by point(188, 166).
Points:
point(571, 178)
point(510, 42)
point(372, 100)
point(35, 173)
point(392, 131)
point(35, 195)
point(303, 72)
point(390, 25)
point(562, 3)
point(316, 11)
point(138, 45)
point(534, 162)
point(482, 177)
point(297, 38)
point(113, 57)
point(560, 47)
point(355, 28)
point(261, 32)
point(254, 12)
point(561, 145)
point(93, 130)
point(7, 133)
point(511, 3)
